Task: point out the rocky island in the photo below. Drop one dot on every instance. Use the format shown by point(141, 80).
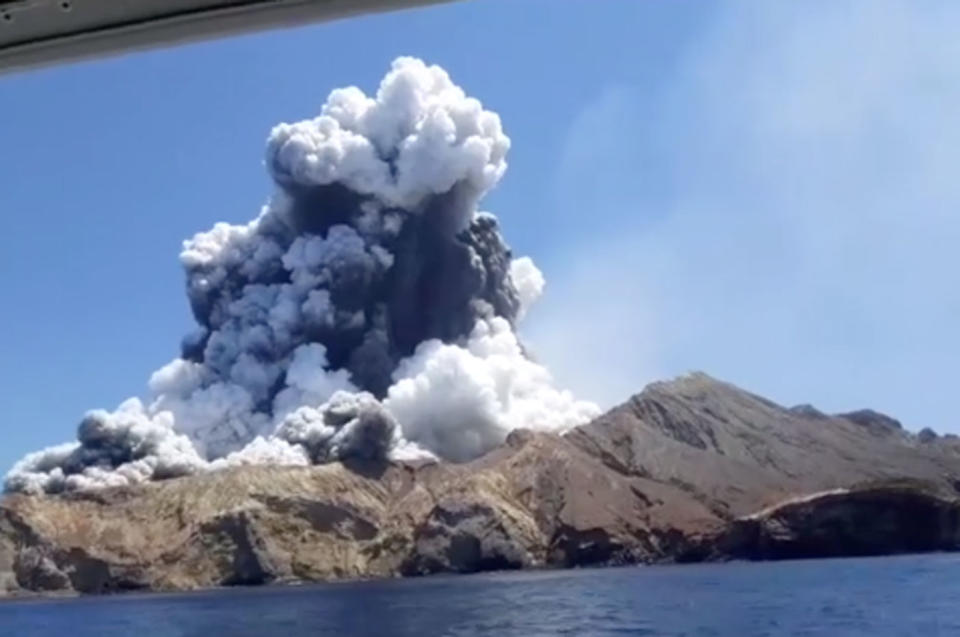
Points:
point(688, 470)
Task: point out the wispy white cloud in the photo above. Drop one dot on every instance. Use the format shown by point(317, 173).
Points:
point(785, 214)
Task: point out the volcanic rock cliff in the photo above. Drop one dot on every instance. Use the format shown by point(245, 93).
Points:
point(691, 469)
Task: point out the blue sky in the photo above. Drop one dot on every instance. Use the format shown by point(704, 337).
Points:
point(763, 191)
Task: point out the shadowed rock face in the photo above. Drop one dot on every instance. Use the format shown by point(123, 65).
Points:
point(870, 520)
point(687, 470)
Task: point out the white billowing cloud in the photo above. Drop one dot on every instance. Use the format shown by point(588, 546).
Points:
point(529, 281)
point(460, 401)
point(265, 451)
point(440, 136)
point(800, 237)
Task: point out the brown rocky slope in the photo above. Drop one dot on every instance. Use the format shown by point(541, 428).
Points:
point(691, 469)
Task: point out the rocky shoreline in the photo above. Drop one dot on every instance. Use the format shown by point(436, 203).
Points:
point(689, 470)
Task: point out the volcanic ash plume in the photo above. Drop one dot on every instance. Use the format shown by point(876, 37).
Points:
point(367, 312)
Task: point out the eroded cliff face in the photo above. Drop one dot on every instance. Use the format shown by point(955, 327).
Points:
point(8, 556)
point(689, 470)
point(538, 501)
point(882, 519)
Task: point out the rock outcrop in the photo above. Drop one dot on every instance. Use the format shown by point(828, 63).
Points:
point(881, 519)
point(688, 470)
point(738, 452)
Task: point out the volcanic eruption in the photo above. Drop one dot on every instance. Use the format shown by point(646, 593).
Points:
point(368, 311)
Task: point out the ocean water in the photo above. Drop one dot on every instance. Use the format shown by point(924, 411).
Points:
point(909, 595)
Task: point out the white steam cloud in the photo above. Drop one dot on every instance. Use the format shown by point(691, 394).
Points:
point(368, 312)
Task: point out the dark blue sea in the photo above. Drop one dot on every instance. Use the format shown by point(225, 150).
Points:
point(914, 595)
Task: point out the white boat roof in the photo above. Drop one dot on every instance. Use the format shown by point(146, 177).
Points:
point(44, 32)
